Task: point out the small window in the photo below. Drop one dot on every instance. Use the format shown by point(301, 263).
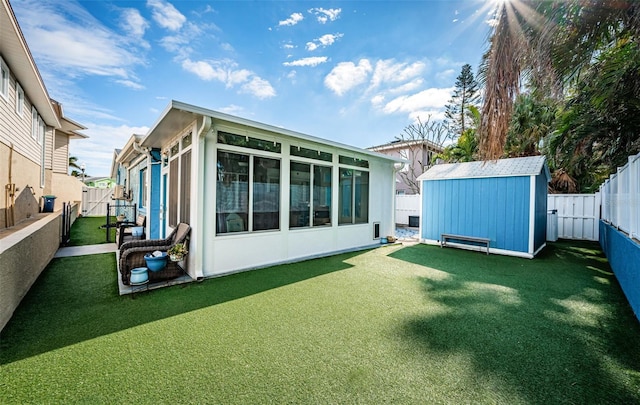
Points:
point(19, 99)
point(310, 153)
point(249, 142)
point(345, 160)
point(34, 123)
point(4, 80)
point(175, 149)
point(186, 141)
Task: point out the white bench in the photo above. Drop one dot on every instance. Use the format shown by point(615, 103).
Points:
point(446, 236)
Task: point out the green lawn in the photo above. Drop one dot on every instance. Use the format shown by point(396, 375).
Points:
point(417, 324)
point(89, 231)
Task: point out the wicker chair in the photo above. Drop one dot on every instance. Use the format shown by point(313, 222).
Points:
point(132, 255)
point(124, 230)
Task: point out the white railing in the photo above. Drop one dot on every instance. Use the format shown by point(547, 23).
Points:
point(621, 198)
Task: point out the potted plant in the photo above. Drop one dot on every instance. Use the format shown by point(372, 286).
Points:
point(177, 252)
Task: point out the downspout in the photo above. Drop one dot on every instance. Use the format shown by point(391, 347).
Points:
point(198, 226)
point(9, 194)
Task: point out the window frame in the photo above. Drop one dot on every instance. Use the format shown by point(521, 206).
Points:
point(312, 219)
point(250, 153)
point(5, 79)
point(19, 100)
point(353, 194)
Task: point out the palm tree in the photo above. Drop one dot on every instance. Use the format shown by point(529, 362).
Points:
point(548, 45)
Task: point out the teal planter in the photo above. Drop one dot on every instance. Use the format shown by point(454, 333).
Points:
point(156, 263)
point(139, 275)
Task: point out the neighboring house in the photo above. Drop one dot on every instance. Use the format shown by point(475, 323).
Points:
point(255, 194)
point(34, 133)
point(419, 155)
point(504, 201)
point(99, 182)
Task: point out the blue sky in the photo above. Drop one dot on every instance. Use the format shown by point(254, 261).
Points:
point(356, 72)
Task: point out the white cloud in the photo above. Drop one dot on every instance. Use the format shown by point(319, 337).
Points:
point(446, 75)
point(408, 87)
point(96, 152)
point(492, 22)
point(434, 98)
point(288, 46)
point(166, 15)
point(389, 70)
point(311, 61)
point(324, 41)
point(67, 40)
point(131, 84)
point(133, 23)
point(259, 88)
point(231, 109)
point(292, 20)
point(227, 72)
point(347, 75)
point(323, 15)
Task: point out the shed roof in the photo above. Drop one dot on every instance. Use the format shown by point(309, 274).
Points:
point(524, 166)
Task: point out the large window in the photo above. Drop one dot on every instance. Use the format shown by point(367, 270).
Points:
point(243, 178)
point(303, 213)
point(266, 193)
point(353, 197)
point(185, 185)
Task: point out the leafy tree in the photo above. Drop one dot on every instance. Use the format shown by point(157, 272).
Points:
point(532, 120)
point(464, 96)
point(466, 147)
point(584, 54)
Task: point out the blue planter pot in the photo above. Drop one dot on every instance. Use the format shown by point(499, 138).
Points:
point(156, 263)
point(139, 275)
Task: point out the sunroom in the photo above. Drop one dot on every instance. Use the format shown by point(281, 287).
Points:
point(256, 195)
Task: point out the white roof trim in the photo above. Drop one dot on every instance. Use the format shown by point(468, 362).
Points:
point(218, 116)
point(525, 166)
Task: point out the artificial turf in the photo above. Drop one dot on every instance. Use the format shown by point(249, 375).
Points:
point(417, 324)
point(91, 231)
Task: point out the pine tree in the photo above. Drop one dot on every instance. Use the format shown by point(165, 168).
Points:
point(466, 94)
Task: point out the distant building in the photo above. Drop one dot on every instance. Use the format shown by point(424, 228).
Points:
point(99, 182)
point(419, 154)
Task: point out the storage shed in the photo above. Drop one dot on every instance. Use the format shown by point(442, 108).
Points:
point(503, 201)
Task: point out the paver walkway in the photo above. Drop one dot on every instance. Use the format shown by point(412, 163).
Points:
point(86, 250)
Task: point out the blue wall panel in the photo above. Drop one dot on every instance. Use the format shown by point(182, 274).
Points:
point(496, 208)
point(624, 258)
point(540, 235)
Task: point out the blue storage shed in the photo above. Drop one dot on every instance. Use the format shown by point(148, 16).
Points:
point(504, 201)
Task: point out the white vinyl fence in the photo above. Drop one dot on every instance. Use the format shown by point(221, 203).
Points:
point(94, 201)
point(621, 198)
point(578, 215)
point(406, 206)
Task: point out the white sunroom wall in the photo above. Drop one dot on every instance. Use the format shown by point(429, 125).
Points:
point(239, 251)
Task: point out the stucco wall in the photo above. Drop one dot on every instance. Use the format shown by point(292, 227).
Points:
point(25, 174)
point(23, 256)
point(66, 189)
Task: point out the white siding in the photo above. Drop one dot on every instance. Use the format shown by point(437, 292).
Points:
point(16, 129)
point(61, 153)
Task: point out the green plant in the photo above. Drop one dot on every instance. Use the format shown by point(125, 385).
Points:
point(179, 249)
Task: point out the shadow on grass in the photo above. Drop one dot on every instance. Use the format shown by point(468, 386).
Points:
point(555, 329)
point(76, 299)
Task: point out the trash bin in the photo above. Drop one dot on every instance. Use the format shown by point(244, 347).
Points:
point(552, 225)
point(49, 202)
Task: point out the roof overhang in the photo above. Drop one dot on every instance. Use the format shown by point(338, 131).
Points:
point(177, 116)
point(129, 153)
point(17, 55)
